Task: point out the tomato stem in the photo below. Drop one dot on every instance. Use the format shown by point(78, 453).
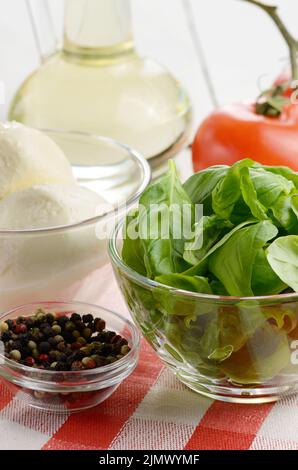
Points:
point(292, 43)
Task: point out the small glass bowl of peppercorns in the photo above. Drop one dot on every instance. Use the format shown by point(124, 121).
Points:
point(65, 357)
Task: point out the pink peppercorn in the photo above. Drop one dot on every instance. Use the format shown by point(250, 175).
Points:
point(43, 358)
point(20, 328)
point(29, 361)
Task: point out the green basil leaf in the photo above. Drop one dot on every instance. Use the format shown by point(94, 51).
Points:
point(264, 279)
point(189, 283)
point(199, 186)
point(201, 267)
point(160, 229)
point(282, 256)
point(284, 213)
point(284, 171)
point(227, 192)
point(132, 251)
point(233, 262)
point(250, 196)
point(208, 231)
point(270, 186)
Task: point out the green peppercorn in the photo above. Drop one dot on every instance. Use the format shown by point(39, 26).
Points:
point(3, 327)
point(85, 350)
point(56, 329)
point(15, 355)
point(81, 340)
point(76, 334)
point(35, 353)
point(125, 350)
point(70, 326)
point(61, 346)
point(59, 339)
point(41, 317)
point(32, 345)
point(100, 361)
point(87, 333)
point(88, 363)
point(77, 365)
point(111, 359)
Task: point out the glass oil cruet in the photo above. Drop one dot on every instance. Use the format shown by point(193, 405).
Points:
point(98, 83)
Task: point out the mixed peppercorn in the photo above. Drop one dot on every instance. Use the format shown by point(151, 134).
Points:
point(61, 342)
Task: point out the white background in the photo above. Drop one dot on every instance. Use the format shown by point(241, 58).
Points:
point(241, 46)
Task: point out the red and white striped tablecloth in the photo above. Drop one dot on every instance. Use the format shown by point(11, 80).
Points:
point(151, 410)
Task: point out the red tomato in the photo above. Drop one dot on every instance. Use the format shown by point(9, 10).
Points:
point(235, 132)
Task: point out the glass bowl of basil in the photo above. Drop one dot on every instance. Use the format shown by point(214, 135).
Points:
point(209, 271)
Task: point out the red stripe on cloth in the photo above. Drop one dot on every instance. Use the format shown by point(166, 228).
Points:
point(5, 395)
point(228, 426)
point(97, 428)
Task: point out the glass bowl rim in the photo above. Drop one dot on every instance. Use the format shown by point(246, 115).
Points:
point(136, 157)
point(150, 283)
point(135, 346)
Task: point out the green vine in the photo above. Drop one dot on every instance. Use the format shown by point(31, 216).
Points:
point(271, 102)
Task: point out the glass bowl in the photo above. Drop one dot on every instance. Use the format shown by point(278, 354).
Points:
point(63, 263)
point(66, 392)
point(242, 350)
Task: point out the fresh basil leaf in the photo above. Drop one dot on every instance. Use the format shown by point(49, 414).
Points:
point(208, 231)
point(218, 288)
point(294, 204)
point(250, 196)
point(284, 171)
point(264, 279)
point(228, 192)
point(201, 267)
point(199, 186)
point(161, 220)
point(233, 262)
point(283, 211)
point(132, 251)
point(270, 186)
point(188, 283)
point(282, 256)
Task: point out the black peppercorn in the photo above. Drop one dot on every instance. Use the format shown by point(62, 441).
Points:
point(50, 318)
point(44, 347)
point(79, 325)
point(53, 356)
point(6, 336)
point(107, 349)
point(87, 318)
point(61, 366)
point(75, 317)
point(26, 352)
point(17, 345)
point(52, 342)
point(99, 324)
point(62, 320)
point(48, 331)
point(30, 323)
